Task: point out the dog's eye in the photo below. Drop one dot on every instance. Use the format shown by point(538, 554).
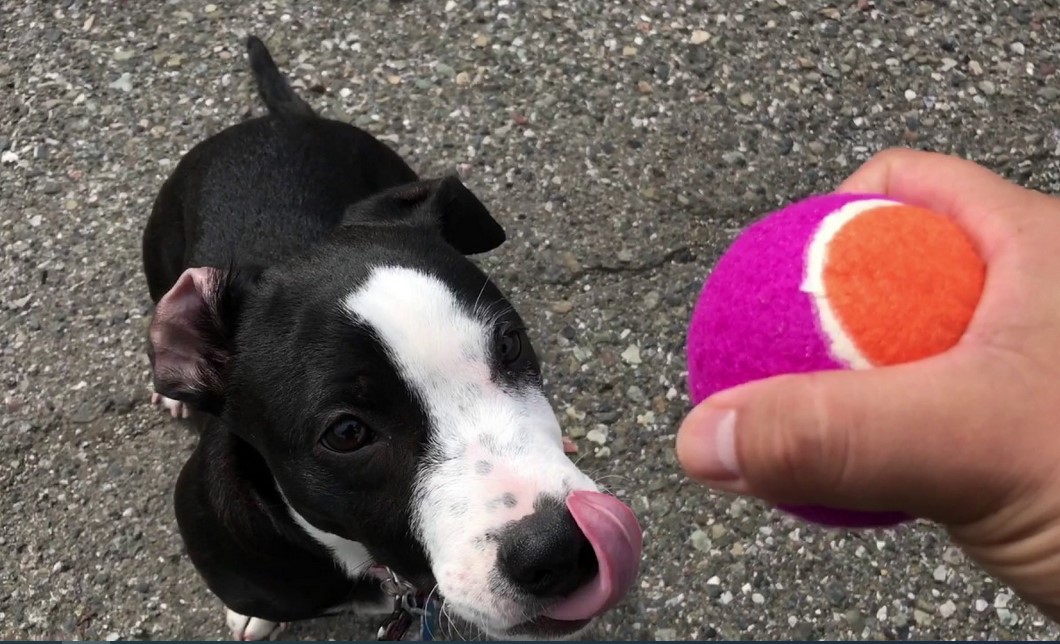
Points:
point(347, 435)
point(510, 345)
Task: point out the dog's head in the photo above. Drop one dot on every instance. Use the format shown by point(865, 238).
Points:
point(395, 396)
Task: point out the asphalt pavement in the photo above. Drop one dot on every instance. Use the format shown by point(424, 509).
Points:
point(622, 145)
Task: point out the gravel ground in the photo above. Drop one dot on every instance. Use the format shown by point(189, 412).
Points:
point(621, 144)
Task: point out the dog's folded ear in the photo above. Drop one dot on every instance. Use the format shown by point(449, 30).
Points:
point(464, 222)
point(191, 336)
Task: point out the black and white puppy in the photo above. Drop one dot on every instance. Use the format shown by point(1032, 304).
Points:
point(366, 396)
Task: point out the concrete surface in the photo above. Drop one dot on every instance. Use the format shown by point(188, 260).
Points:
point(622, 149)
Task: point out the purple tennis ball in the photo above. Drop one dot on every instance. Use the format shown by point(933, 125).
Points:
point(759, 314)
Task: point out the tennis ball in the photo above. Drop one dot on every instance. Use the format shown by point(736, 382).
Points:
point(833, 282)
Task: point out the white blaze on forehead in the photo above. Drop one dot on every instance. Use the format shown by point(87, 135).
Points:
point(442, 351)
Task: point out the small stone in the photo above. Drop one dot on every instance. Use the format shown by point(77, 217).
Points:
point(481, 41)
point(758, 598)
point(1002, 600)
point(124, 83)
point(210, 8)
point(1049, 93)
point(1018, 48)
point(644, 87)
point(988, 88)
point(816, 147)
point(700, 541)
point(910, 95)
point(35, 221)
point(70, 204)
point(598, 436)
point(629, 52)
point(625, 255)
point(393, 79)
point(444, 70)
point(562, 306)
point(631, 355)
point(113, 637)
point(921, 618)
point(975, 68)
point(947, 609)
point(635, 393)
point(699, 37)
point(717, 531)
point(981, 605)
point(124, 54)
point(665, 635)
point(733, 157)
point(747, 99)
point(576, 431)
point(1006, 617)
point(463, 78)
point(941, 573)
point(803, 631)
point(726, 598)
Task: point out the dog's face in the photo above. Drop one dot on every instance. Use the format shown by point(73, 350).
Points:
point(395, 395)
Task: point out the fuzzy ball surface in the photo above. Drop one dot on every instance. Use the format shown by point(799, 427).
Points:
point(833, 282)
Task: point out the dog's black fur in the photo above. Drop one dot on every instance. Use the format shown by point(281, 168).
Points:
point(291, 209)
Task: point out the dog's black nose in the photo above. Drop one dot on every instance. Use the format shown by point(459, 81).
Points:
point(545, 554)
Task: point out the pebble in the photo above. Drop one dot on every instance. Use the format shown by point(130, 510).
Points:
point(597, 436)
point(625, 255)
point(921, 618)
point(947, 609)
point(700, 541)
point(981, 605)
point(463, 78)
point(124, 54)
point(123, 83)
point(1049, 93)
point(644, 87)
point(665, 635)
point(631, 355)
point(562, 306)
point(576, 431)
point(635, 393)
point(1018, 48)
point(699, 37)
point(988, 87)
point(941, 573)
point(975, 68)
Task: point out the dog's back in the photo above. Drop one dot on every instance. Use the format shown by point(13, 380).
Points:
point(261, 189)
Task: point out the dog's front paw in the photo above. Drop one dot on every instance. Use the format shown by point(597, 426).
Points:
point(176, 408)
point(247, 629)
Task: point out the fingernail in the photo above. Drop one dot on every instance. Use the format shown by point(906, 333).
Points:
point(706, 444)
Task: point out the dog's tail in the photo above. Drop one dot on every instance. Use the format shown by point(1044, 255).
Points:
point(273, 87)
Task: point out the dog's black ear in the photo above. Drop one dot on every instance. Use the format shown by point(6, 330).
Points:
point(464, 221)
point(191, 335)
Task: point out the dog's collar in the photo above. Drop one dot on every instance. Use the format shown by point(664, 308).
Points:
point(410, 605)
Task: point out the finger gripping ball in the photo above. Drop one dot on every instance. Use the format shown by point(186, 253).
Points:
point(833, 282)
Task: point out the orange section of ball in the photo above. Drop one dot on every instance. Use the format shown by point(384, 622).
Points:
point(903, 282)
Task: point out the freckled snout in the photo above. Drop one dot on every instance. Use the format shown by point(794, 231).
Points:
point(583, 554)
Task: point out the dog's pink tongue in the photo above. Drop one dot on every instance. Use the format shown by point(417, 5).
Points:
point(616, 537)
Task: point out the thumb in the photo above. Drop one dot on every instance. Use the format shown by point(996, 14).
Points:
point(912, 438)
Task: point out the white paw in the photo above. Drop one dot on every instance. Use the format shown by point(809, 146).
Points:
point(246, 629)
point(176, 408)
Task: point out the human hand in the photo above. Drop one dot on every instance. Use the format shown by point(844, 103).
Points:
point(969, 438)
